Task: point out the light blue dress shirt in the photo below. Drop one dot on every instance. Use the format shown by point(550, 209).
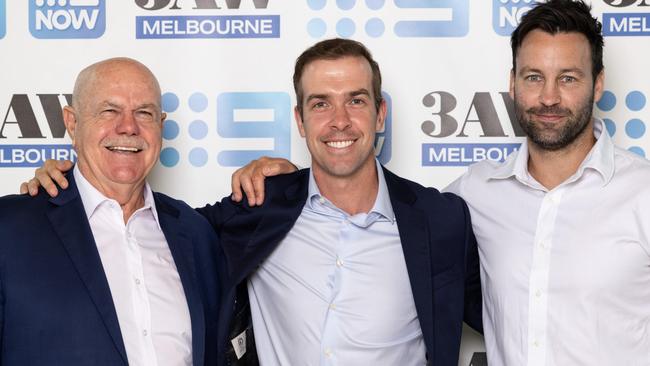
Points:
point(336, 290)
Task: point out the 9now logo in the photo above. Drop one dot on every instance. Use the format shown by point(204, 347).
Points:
point(506, 14)
point(49, 19)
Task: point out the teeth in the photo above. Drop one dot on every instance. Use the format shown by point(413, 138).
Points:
point(123, 148)
point(339, 144)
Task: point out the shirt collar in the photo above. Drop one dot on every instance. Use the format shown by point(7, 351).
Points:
point(381, 207)
point(600, 159)
point(92, 198)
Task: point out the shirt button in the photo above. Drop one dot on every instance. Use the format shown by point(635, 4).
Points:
point(321, 200)
point(536, 343)
point(137, 281)
point(333, 306)
point(543, 244)
point(144, 332)
point(328, 352)
point(339, 262)
point(538, 293)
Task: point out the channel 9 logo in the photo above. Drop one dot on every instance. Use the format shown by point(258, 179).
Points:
point(3, 19)
point(50, 19)
point(249, 125)
point(435, 18)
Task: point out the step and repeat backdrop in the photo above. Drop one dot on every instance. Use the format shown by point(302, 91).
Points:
point(225, 68)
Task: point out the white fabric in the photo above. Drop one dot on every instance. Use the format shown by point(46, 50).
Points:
point(565, 273)
point(336, 291)
point(146, 288)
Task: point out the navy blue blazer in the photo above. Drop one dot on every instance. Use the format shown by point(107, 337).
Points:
point(55, 303)
point(435, 231)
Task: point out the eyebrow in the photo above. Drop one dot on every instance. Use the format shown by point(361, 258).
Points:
point(562, 71)
point(354, 93)
point(107, 103)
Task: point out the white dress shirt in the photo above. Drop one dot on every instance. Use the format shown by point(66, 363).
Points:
point(336, 290)
point(144, 282)
point(565, 273)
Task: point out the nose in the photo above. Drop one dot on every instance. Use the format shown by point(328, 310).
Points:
point(341, 118)
point(550, 94)
point(127, 124)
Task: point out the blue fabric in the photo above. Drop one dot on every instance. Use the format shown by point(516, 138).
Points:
point(55, 303)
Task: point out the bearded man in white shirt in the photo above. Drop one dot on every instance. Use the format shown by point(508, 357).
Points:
point(563, 224)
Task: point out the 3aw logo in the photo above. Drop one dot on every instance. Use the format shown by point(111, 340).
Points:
point(3, 19)
point(50, 19)
point(199, 4)
point(24, 142)
point(481, 121)
point(205, 26)
point(626, 3)
point(627, 23)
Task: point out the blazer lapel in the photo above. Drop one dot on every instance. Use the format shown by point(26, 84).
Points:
point(182, 251)
point(272, 227)
point(71, 225)
point(413, 231)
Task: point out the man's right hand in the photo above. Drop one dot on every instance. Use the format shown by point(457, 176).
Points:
point(250, 178)
point(48, 176)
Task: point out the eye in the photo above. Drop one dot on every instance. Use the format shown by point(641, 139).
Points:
point(357, 101)
point(144, 115)
point(319, 105)
point(533, 78)
point(568, 79)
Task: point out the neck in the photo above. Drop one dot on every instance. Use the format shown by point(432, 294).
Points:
point(353, 194)
point(552, 167)
point(129, 196)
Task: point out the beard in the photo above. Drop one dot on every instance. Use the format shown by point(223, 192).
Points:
point(549, 136)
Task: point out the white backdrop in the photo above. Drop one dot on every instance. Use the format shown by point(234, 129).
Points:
point(225, 67)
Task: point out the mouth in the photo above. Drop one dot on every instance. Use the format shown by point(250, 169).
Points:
point(549, 117)
point(339, 144)
point(123, 149)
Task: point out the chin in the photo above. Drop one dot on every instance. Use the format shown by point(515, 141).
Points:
point(127, 176)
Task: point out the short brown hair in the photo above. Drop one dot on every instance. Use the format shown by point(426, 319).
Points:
point(562, 16)
point(334, 49)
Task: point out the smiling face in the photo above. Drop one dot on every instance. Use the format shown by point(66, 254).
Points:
point(115, 124)
point(553, 88)
point(339, 119)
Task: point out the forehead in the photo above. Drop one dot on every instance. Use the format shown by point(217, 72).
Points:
point(540, 49)
point(127, 81)
point(344, 72)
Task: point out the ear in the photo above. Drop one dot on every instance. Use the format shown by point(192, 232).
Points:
point(70, 121)
point(599, 86)
point(298, 117)
point(163, 117)
point(511, 89)
point(381, 116)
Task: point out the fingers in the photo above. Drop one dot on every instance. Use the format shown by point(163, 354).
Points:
point(42, 179)
point(24, 188)
point(48, 176)
point(235, 185)
point(242, 183)
point(277, 166)
point(249, 179)
point(56, 171)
